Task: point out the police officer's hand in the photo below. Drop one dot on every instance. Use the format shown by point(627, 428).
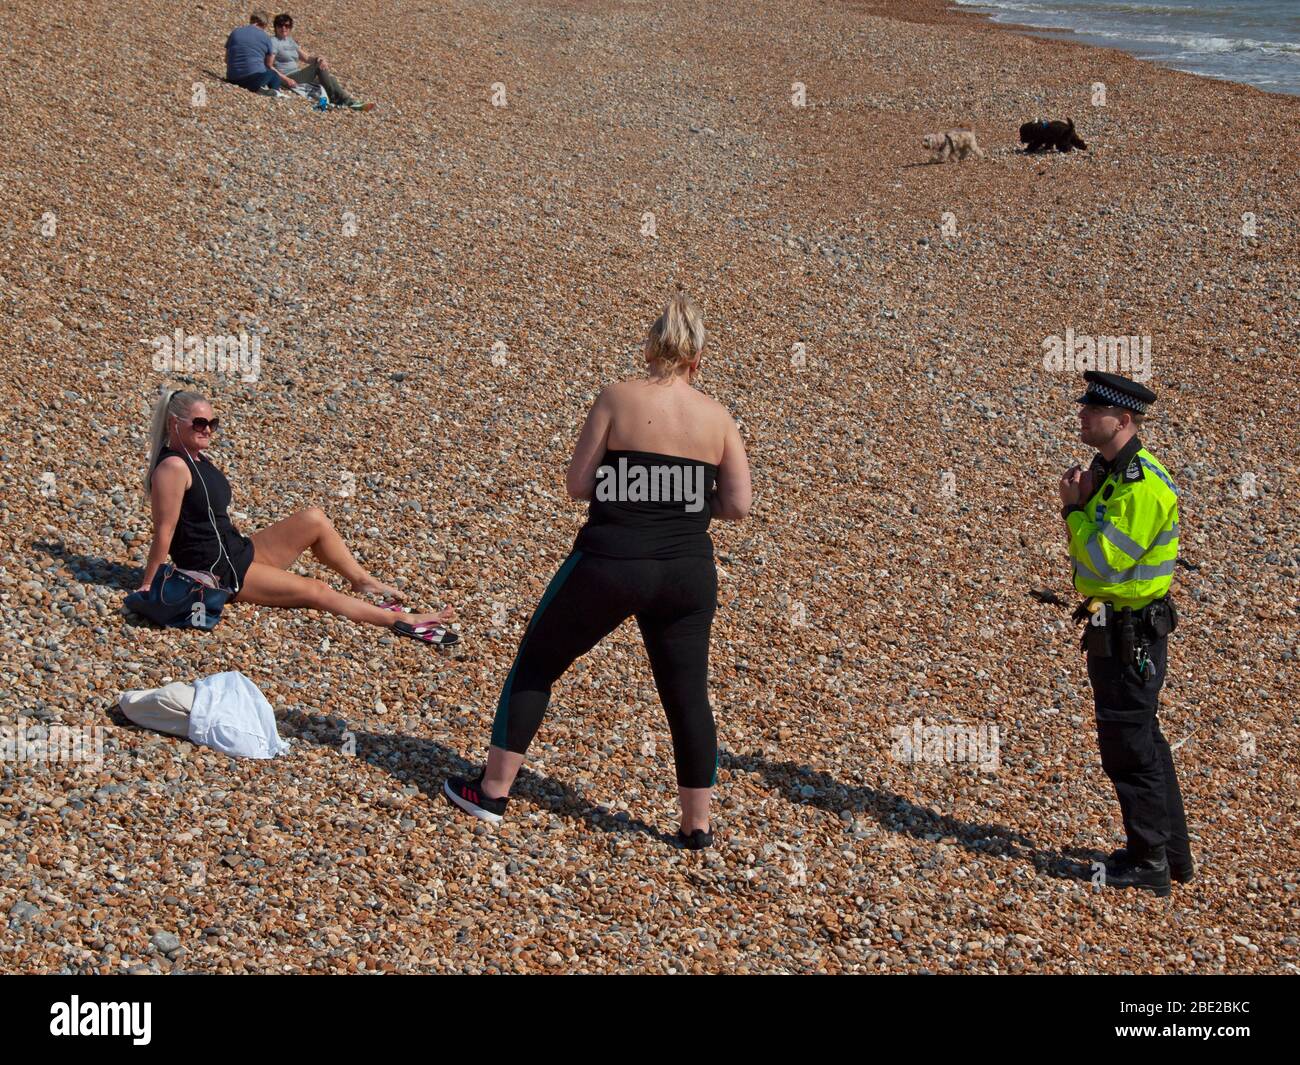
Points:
point(1086, 486)
point(1071, 485)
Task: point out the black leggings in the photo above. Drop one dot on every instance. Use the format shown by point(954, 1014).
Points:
point(673, 601)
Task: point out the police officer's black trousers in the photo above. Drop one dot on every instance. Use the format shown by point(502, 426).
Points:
point(1136, 755)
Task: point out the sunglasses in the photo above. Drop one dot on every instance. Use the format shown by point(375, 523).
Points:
point(200, 424)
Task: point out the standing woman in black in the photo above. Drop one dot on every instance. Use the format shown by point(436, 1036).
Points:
point(657, 459)
point(190, 498)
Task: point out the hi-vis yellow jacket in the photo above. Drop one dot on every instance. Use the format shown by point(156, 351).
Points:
point(1124, 540)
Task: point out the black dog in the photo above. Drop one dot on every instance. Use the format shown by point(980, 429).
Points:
point(1043, 136)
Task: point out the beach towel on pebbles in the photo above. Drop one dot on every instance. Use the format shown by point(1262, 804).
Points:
point(226, 712)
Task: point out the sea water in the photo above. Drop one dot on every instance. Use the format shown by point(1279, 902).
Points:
point(1252, 41)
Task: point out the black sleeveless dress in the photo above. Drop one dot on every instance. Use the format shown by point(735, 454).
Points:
point(195, 543)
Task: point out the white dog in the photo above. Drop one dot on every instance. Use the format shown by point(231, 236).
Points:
point(953, 145)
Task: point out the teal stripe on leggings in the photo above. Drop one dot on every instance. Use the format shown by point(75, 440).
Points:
point(500, 727)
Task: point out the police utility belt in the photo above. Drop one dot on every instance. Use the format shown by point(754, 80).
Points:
point(1124, 633)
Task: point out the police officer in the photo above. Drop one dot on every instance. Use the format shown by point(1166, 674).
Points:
point(1122, 514)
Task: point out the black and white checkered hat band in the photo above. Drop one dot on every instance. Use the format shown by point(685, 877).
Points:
point(1116, 398)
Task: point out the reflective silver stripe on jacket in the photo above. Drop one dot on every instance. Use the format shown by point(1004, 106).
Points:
point(1134, 573)
point(1121, 540)
point(1130, 546)
point(1166, 537)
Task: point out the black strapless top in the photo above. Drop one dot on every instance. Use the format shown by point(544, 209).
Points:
point(648, 505)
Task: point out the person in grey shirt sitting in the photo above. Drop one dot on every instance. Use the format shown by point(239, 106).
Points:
point(296, 67)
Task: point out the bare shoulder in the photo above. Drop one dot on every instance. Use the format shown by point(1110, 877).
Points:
point(618, 389)
point(714, 407)
point(173, 469)
point(173, 462)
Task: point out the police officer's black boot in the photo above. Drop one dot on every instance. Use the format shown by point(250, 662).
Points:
point(1150, 873)
point(1183, 874)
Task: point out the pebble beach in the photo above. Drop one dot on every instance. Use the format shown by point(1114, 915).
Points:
point(437, 290)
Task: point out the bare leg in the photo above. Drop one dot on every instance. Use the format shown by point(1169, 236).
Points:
point(502, 768)
point(270, 586)
point(695, 808)
point(281, 544)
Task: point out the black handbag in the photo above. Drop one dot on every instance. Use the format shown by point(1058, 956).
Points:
point(178, 601)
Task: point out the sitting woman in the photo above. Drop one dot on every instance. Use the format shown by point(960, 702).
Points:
point(190, 499)
point(296, 67)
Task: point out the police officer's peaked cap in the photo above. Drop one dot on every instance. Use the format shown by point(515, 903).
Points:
point(1111, 390)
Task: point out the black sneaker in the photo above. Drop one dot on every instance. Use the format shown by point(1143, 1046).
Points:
point(698, 840)
point(468, 795)
point(1182, 875)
